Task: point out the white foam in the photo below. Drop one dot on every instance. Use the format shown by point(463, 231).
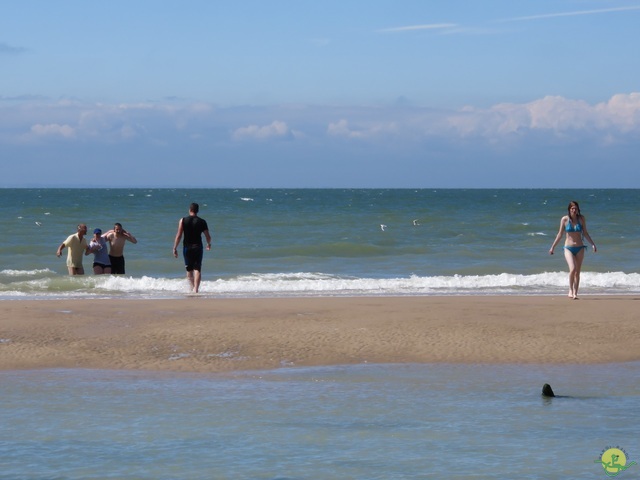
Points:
point(25, 273)
point(504, 283)
point(143, 284)
point(316, 284)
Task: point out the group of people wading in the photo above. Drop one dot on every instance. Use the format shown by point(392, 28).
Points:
point(108, 248)
point(105, 260)
point(192, 227)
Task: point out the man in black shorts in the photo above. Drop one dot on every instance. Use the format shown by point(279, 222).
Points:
point(192, 249)
point(117, 239)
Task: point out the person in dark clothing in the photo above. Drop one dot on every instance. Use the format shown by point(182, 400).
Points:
point(192, 227)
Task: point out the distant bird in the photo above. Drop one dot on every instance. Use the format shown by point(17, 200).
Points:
point(382, 227)
point(415, 222)
point(38, 224)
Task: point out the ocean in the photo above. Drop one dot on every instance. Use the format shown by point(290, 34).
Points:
point(283, 242)
point(346, 422)
point(367, 421)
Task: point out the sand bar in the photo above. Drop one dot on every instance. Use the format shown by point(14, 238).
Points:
point(216, 335)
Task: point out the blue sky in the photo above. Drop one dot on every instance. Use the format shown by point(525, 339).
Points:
point(297, 93)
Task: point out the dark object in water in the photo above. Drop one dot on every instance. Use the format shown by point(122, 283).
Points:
point(547, 391)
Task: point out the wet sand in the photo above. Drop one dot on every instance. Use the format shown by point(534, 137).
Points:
point(215, 335)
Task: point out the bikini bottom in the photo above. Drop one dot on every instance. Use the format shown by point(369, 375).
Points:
point(575, 250)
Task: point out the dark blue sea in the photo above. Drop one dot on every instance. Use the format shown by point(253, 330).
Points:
point(274, 242)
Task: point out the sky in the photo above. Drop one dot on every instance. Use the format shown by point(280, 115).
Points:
point(327, 94)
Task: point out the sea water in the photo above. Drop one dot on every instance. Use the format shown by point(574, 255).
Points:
point(347, 422)
point(281, 242)
point(342, 422)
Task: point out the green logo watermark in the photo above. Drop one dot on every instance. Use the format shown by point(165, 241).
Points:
point(614, 461)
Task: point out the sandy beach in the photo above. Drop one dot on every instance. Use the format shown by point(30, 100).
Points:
point(215, 335)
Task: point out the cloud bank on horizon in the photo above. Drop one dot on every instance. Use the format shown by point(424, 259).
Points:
point(568, 125)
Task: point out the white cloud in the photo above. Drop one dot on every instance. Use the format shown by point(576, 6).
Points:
point(554, 114)
point(436, 142)
point(53, 129)
point(621, 110)
point(455, 28)
point(341, 129)
point(551, 117)
point(367, 129)
point(569, 14)
point(276, 129)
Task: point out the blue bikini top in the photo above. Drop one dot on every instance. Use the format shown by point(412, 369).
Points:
point(573, 228)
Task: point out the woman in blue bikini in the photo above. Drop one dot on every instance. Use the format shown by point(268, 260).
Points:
point(575, 226)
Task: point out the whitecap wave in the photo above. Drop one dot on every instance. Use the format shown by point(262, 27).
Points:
point(504, 283)
point(320, 284)
point(25, 273)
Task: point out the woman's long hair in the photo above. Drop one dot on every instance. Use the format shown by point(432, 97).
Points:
point(571, 204)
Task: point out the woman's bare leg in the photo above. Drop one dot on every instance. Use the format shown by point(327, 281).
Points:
point(571, 262)
point(579, 258)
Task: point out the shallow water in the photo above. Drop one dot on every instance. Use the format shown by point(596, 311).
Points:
point(360, 422)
